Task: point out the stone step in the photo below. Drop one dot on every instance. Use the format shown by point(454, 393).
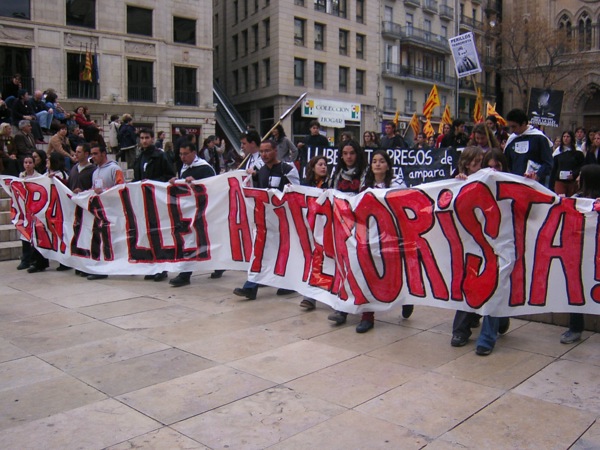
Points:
point(10, 250)
point(4, 203)
point(5, 218)
point(8, 233)
point(3, 193)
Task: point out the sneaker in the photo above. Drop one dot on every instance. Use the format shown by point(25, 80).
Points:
point(459, 341)
point(250, 294)
point(364, 326)
point(504, 326)
point(407, 310)
point(338, 317)
point(569, 337)
point(483, 351)
point(282, 291)
point(307, 304)
point(179, 281)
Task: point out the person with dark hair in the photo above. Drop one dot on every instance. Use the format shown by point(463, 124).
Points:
point(527, 149)
point(127, 139)
point(457, 138)
point(27, 249)
point(286, 150)
point(250, 142)
point(391, 139)
point(39, 160)
point(160, 139)
point(11, 88)
point(22, 110)
point(315, 141)
point(55, 167)
point(8, 158)
point(495, 159)
point(43, 113)
point(566, 165)
point(592, 155)
point(152, 164)
point(23, 142)
point(588, 187)
point(492, 123)
point(59, 143)
point(209, 153)
point(445, 132)
point(421, 142)
point(193, 168)
point(80, 177)
point(580, 139)
point(274, 174)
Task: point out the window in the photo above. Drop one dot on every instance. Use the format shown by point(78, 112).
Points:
point(319, 36)
point(409, 23)
point(319, 75)
point(236, 17)
point(338, 8)
point(360, 46)
point(255, 74)
point(299, 27)
point(245, 9)
point(139, 21)
point(255, 6)
point(255, 36)
point(245, 42)
point(184, 31)
point(216, 25)
point(81, 13)
point(444, 32)
point(427, 27)
point(299, 71)
point(320, 5)
point(344, 79)
point(236, 47)
point(267, 67)
point(216, 57)
point(388, 14)
point(360, 82)
point(245, 81)
point(16, 60)
point(584, 26)
point(360, 11)
point(565, 25)
point(16, 10)
point(344, 42)
point(185, 87)
point(236, 82)
point(140, 81)
point(267, 27)
point(76, 86)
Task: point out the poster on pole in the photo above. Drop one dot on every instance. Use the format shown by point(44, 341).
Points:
point(544, 107)
point(464, 52)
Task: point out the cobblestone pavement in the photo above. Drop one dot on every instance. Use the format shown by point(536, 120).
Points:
point(125, 363)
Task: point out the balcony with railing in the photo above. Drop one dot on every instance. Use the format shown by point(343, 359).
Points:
point(430, 6)
point(476, 2)
point(415, 36)
point(83, 90)
point(446, 12)
point(389, 104)
point(410, 106)
point(412, 3)
point(141, 93)
point(471, 24)
point(186, 98)
point(413, 73)
point(491, 62)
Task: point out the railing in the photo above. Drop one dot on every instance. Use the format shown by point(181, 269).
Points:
point(415, 35)
point(389, 104)
point(446, 12)
point(430, 6)
point(400, 71)
point(186, 98)
point(413, 3)
point(471, 22)
point(83, 89)
point(410, 106)
point(141, 93)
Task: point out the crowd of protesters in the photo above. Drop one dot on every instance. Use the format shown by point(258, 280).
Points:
point(76, 154)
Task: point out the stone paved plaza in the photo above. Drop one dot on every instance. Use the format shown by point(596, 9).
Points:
point(125, 363)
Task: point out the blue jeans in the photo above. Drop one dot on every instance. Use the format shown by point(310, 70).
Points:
point(489, 332)
point(250, 285)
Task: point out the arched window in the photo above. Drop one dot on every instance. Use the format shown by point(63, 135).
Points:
point(584, 29)
point(564, 25)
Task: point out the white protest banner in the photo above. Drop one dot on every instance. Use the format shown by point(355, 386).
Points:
point(496, 243)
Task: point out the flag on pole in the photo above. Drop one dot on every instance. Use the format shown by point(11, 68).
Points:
point(86, 73)
point(414, 124)
point(428, 129)
point(491, 111)
point(432, 101)
point(478, 109)
point(396, 118)
point(446, 119)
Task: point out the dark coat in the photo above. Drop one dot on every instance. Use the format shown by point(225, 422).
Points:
point(152, 164)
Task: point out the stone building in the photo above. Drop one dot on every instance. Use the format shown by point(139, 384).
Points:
point(150, 58)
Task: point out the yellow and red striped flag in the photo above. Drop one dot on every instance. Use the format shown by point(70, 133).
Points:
point(414, 124)
point(491, 111)
point(478, 109)
point(86, 73)
point(428, 129)
point(446, 118)
point(432, 101)
point(396, 118)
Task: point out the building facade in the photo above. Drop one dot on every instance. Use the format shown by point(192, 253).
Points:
point(379, 56)
point(575, 68)
point(149, 58)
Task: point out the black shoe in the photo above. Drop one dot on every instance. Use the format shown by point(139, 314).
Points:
point(483, 351)
point(407, 310)
point(149, 277)
point(249, 293)
point(217, 274)
point(179, 281)
point(24, 265)
point(96, 277)
point(83, 274)
point(282, 291)
point(35, 269)
point(160, 276)
point(338, 317)
point(504, 326)
point(475, 323)
point(62, 268)
point(364, 326)
point(459, 341)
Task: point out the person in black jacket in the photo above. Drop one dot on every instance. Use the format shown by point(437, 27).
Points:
point(314, 141)
point(152, 164)
point(193, 168)
point(127, 140)
point(22, 110)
